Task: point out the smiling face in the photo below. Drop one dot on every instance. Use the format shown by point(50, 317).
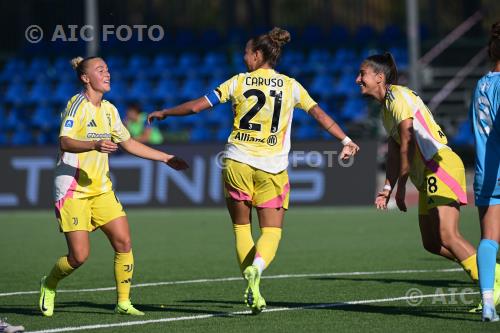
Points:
point(97, 75)
point(369, 81)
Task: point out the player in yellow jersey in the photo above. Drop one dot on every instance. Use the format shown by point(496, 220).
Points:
point(418, 150)
point(256, 155)
point(84, 199)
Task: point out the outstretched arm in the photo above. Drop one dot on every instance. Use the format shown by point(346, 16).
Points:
point(138, 149)
point(350, 148)
point(70, 145)
point(184, 109)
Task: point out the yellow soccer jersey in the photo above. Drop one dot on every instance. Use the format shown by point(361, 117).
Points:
point(80, 175)
point(402, 103)
point(263, 103)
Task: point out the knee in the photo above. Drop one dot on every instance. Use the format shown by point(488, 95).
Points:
point(78, 258)
point(448, 238)
point(123, 245)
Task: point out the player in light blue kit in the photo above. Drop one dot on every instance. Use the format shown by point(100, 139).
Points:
point(485, 118)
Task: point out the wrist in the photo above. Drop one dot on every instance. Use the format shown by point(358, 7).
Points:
point(166, 158)
point(387, 187)
point(346, 140)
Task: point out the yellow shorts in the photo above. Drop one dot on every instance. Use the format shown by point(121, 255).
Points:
point(444, 182)
point(88, 214)
point(243, 182)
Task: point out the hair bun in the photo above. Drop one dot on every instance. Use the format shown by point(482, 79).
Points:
point(279, 36)
point(75, 62)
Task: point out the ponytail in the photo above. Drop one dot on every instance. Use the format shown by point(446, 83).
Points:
point(384, 63)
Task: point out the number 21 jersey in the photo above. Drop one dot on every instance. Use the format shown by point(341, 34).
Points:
point(263, 102)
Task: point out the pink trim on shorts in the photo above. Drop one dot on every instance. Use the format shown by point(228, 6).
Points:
point(278, 201)
point(69, 194)
point(440, 172)
point(236, 194)
point(448, 180)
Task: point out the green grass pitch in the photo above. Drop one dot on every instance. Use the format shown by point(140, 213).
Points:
point(192, 250)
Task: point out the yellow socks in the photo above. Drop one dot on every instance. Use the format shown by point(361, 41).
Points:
point(245, 247)
point(261, 254)
point(124, 269)
point(470, 267)
point(61, 269)
point(266, 247)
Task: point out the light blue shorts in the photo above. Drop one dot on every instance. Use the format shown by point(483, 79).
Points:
point(486, 201)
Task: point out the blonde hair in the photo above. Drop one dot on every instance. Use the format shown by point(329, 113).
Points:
point(79, 65)
point(75, 62)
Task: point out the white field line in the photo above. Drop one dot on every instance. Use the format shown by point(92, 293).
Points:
point(281, 276)
point(236, 313)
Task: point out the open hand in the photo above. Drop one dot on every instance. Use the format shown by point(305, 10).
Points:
point(105, 146)
point(157, 115)
point(382, 199)
point(349, 150)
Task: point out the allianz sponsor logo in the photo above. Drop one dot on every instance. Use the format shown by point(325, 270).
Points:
point(92, 135)
point(245, 137)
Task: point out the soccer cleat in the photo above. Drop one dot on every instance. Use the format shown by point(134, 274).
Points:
point(126, 308)
point(496, 286)
point(253, 298)
point(8, 328)
point(489, 314)
point(478, 308)
point(496, 292)
point(47, 297)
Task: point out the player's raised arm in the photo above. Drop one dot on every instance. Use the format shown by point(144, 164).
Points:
point(184, 109)
point(350, 148)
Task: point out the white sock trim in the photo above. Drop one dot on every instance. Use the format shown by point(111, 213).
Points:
point(487, 296)
point(260, 264)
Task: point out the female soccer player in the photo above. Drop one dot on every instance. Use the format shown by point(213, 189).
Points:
point(484, 115)
point(256, 155)
point(417, 149)
point(84, 199)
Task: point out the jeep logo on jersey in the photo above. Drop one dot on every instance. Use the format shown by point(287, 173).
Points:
point(272, 140)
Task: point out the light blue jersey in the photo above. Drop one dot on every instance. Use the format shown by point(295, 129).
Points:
point(483, 114)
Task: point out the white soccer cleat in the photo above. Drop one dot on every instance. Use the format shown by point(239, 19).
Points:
point(489, 314)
